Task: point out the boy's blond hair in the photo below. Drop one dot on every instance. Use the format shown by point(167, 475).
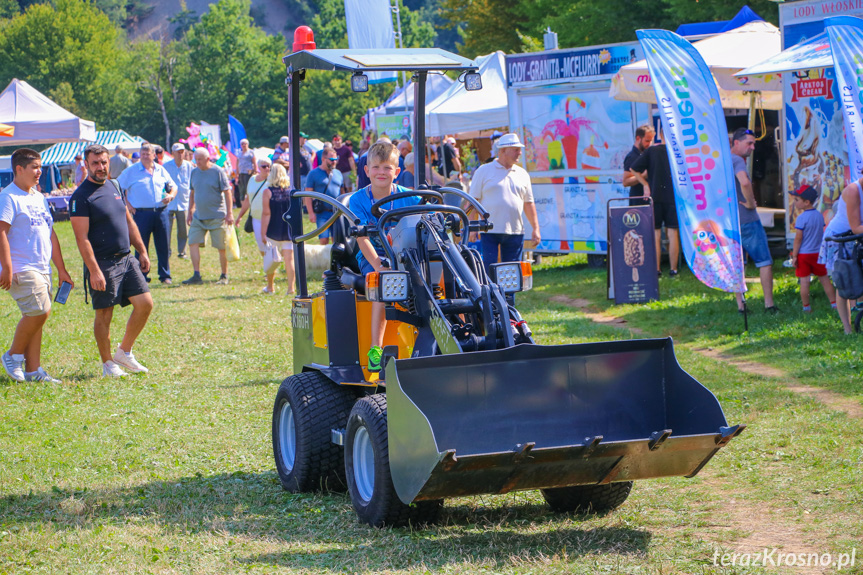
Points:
point(278, 177)
point(383, 152)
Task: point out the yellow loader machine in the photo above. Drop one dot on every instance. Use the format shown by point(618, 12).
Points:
point(467, 403)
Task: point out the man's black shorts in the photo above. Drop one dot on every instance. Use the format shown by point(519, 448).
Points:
point(123, 279)
point(664, 212)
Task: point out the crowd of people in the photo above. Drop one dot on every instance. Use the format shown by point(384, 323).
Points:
point(647, 173)
point(122, 202)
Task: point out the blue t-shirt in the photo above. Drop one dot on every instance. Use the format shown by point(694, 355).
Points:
point(406, 179)
point(362, 179)
point(361, 205)
point(323, 183)
point(811, 223)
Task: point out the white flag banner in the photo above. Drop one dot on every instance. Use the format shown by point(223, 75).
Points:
point(370, 25)
point(213, 133)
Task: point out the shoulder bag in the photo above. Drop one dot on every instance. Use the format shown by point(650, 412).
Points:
point(248, 227)
point(848, 273)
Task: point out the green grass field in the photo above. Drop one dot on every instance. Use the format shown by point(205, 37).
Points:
point(172, 472)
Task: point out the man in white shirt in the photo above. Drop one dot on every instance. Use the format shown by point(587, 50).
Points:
point(181, 172)
point(503, 188)
point(28, 245)
point(149, 189)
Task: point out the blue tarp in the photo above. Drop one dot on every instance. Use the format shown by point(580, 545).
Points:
point(703, 28)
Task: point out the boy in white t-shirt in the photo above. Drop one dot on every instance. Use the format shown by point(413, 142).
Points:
point(28, 245)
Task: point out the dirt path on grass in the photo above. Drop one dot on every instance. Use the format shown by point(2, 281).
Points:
point(743, 529)
point(748, 528)
point(829, 398)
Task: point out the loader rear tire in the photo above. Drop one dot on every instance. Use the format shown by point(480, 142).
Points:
point(587, 498)
point(308, 406)
point(367, 467)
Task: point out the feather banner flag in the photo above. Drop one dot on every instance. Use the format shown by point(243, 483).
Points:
point(700, 156)
point(370, 25)
point(846, 43)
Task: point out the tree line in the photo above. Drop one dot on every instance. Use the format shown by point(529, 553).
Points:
point(221, 64)
point(78, 53)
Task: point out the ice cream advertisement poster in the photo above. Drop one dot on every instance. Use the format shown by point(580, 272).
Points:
point(575, 143)
point(575, 131)
point(700, 156)
point(815, 150)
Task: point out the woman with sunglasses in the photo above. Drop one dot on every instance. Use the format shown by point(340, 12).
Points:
point(253, 202)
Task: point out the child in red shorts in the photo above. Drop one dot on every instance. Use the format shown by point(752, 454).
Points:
point(807, 242)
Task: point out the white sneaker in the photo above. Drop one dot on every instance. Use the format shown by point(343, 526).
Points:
point(40, 375)
point(111, 369)
point(14, 365)
point(266, 291)
point(128, 361)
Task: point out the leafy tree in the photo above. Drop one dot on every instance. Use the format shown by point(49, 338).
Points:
point(182, 21)
point(586, 22)
point(9, 8)
point(234, 68)
point(683, 11)
point(490, 25)
point(67, 49)
point(518, 25)
point(328, 106)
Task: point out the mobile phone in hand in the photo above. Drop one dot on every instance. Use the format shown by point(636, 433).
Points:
point(63, 292)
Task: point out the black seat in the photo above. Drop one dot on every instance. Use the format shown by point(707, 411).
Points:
point(345, 249)
point(354, 281)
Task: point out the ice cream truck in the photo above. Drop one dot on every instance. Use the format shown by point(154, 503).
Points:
point(575, 138)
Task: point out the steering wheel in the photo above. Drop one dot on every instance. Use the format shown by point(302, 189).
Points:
point(426, 195)
point(339, 210)
point(398, 213)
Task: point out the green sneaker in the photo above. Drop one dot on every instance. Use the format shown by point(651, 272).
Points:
point(375, 355)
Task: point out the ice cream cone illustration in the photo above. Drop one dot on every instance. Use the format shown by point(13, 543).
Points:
point(633, 252)
point(590, 161)
point(566, 133)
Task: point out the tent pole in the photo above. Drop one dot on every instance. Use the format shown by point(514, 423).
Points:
point(751, 125)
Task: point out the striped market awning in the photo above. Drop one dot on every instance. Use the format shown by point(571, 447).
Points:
point(59, 154)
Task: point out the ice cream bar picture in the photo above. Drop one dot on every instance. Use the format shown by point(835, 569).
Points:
point(633, 252)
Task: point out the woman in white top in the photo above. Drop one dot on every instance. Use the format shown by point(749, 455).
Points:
point(253, 202)
point(848, 218)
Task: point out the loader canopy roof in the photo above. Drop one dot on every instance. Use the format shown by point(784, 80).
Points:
point(382, 60)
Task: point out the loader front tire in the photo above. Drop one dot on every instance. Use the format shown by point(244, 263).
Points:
point(367, 469)
point(308, 406)
point(587, 498)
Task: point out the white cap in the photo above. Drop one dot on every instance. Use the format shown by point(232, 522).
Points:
point(509, 141)
point(178, 147)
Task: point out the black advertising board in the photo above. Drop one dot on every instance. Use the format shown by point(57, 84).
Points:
point(631, 252)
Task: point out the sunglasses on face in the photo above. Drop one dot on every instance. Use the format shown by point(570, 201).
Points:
point(264, 167)
point(333, 159)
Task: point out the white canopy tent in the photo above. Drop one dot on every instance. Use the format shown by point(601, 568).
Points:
point(725, 54)
point(38, 120)
point(65, 153)
point(810, 55)
point(458, 111)
point(402, 99)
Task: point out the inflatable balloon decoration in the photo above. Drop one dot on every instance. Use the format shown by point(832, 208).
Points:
point(197, 140)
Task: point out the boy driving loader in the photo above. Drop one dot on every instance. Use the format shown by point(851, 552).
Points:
point(382, 169)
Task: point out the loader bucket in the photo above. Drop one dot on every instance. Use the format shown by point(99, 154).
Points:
point(532, 417)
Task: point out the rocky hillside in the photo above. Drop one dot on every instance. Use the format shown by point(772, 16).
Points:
point(274, 16)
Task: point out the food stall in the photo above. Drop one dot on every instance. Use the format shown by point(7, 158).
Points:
point(575, 138)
